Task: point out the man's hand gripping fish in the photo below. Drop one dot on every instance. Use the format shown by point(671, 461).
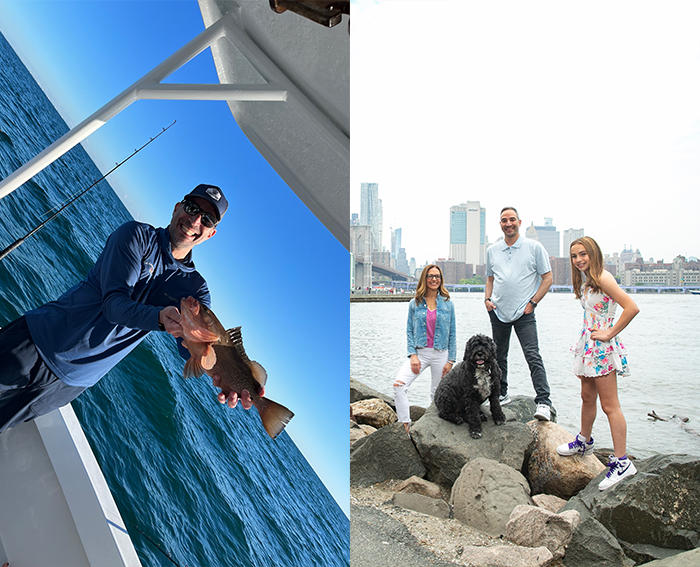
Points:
point(218, 351)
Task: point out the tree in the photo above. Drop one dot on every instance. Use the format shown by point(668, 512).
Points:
point(476, 280)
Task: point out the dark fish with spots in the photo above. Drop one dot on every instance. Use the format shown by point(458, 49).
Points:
point(217, 351)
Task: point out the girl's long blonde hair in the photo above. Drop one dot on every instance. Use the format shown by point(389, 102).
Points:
point(422, 287)
point(595, 266)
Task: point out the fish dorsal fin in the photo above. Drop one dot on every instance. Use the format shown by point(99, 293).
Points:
point(237, 340)
point(255, 368)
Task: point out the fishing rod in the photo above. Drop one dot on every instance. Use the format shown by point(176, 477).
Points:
point(19, 241)
point(154, 544)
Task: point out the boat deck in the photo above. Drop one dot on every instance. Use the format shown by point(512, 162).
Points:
point(56, 506)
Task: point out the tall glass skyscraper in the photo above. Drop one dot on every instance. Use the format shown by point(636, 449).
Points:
point(371, 212)
point(468, 233)
point(395, 243)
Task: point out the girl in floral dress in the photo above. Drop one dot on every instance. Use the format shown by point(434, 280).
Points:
point(599, 356)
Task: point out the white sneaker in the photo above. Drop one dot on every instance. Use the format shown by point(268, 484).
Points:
point(617, 470)
point(505, 399)
point(578, 446)
point(543, 413)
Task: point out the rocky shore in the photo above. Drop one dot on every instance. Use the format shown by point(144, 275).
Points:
point(438, 497)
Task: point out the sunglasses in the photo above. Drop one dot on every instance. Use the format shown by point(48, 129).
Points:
point(193, 209)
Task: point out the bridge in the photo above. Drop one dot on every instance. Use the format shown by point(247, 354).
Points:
point(392, 273)
point(694, 289)
point(365, 269)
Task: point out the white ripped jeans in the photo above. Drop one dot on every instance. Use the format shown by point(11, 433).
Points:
point(436, 360)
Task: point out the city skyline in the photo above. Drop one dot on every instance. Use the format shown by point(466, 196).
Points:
point(525, 110)
point(548, 222)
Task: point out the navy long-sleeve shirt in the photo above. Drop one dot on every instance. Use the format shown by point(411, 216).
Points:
point(96, 323)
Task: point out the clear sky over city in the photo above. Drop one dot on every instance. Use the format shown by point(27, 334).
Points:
point(270, 252)
point(583, 112)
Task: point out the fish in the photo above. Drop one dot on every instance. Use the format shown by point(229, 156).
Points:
point(215, 350)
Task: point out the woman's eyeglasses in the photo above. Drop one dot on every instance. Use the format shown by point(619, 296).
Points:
point(193, 209)
point(433, 277)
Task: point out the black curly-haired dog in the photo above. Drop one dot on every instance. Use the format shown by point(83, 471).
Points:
point(463, 389)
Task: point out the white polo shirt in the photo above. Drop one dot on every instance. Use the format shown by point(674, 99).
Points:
point(516, 272)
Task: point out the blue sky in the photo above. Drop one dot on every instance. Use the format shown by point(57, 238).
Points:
point(272, 268)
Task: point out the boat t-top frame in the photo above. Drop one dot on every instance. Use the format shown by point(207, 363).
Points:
point(287, 85)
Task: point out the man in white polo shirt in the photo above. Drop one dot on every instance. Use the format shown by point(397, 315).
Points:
point(518, 276)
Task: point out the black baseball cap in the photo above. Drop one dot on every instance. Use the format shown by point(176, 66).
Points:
point(214, 195)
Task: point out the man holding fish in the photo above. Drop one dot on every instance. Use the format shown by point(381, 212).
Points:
point(53, 353)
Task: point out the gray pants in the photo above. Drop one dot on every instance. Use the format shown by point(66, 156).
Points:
point(526, 331)
point(28, 388)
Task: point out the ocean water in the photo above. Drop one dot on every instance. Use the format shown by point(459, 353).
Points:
point(661, 341)
point(208, 487)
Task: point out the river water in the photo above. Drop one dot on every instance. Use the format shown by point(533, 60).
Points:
point(663, 353)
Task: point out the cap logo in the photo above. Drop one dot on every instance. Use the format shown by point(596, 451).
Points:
point(214, 193)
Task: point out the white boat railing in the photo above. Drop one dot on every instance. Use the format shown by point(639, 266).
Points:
point(54, 492)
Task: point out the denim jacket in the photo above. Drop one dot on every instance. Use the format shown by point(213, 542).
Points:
point(445, 327)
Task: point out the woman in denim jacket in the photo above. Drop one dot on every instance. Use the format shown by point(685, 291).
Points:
point(431, 335)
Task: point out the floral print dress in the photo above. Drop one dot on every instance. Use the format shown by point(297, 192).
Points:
point(598, 358)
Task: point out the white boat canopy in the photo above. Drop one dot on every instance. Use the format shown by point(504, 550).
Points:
point(286, 79)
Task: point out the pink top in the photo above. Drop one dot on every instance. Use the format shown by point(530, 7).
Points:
point(430, 320)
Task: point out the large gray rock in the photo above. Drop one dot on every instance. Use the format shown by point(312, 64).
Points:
point(686, 559)
point(485, 494)
point(532, 526)
point(415, 413)
point(550, 473)
point(658, 506)
point(520, 408)
point(374, 412)
point(360, 391)
point(446, 447)
point(357, 443)
point(356, 432)
point(388, 453)
point(644, 553)
point(592, 545)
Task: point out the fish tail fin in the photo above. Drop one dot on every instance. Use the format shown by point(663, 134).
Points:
point(193, 368)
point(274, 416)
